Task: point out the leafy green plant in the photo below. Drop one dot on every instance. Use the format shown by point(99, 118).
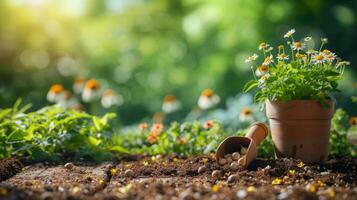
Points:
point(52, 132)
point(306, 74)
point(185, 139)
point(339, 144)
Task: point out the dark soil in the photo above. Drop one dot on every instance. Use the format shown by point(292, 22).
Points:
point(9, 167)
point(178, 178)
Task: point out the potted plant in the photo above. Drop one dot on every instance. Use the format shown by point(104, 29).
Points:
point(296, 87)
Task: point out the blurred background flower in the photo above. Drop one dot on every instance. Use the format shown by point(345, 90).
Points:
point(144, 50)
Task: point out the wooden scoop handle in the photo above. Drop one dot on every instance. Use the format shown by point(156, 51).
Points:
point(257, 132)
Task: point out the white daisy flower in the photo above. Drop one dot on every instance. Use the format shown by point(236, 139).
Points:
point(269, 49)
point(110, 98)
point(55, 94)
point(263, 46)
point(282, 57)
point(330, 57)
point(251, 58)
point(268, 60)
point(261, 70)
point(289, 33)
point(298, 45)
point(170, 104)
point(246, 115)
point(318, 58)
point(208, 99)
point(78, 85)
point(91, 90)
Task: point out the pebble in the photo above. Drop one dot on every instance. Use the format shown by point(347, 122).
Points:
point(222, 161)
point(69, 165)
point(129, 173)
point(283, 195)
point(234, 166)
point(232, 178)
point(216, 174)
point(324, 173)
point(60, 189)
point(241, 194)
point(202, 169)
point(241, 161)
point(229, 159)
point(235, 156)
point(243, 151)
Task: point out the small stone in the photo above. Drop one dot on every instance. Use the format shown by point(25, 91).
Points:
point(202, 169)
point(235, 156)
point(241, 161)
point(222, 161)
point(234, 166)
point(325, 173)
point(241, 194)
point(60, 189)
point(229, 159)
point(216, 174)
point(243, 151)
point(232, 178)
point(129, 173)
point(283, 195)
point(69, 165)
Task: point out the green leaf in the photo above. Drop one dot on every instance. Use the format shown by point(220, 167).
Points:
point(250, 85)
point(4, 112)
point(332, 73)
point(16, 135)
point(94, 141)
point(97, 123)
point(119, 149)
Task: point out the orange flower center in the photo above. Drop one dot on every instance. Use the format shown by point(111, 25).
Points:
point(298, 44)
point(56, 88)
point(319, 57)
point(326, 51)
point(299, 55)
point(246, 111)
point(263, 68)
point(207, 93)
point(262, 45)
point(92, 84)
point(169, 98)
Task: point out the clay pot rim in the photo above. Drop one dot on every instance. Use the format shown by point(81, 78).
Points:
point(298, 101)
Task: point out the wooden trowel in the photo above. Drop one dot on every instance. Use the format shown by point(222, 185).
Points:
point(256, 133)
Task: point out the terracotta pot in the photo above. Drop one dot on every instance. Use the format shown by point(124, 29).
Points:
point(300, 129)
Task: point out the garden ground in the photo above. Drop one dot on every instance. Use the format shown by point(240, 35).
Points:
point(173, 177)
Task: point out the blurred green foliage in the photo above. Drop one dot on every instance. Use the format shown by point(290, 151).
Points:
point(52, 133)
point(145, 49)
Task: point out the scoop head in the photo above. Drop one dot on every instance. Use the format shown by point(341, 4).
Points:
point(256, 133)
